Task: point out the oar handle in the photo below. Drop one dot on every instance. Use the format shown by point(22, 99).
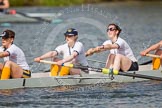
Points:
point(152, 55)
point(48, 62)
point(51, 62)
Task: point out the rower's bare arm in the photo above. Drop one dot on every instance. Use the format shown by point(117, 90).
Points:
point(47, 55)
point(98, 49)
point(68, 59)
point(151, 48)
point(90, 52)
point(4, 54)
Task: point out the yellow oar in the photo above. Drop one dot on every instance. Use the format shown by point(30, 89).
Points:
point(155, 61)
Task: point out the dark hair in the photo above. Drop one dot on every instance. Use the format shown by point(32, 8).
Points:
point(116, 27)
point(10, 33)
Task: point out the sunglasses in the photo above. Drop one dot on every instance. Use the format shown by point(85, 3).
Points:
point(111, 29)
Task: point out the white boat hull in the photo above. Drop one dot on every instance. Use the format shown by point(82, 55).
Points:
point(45, 80)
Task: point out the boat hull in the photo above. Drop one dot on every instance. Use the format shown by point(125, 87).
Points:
point(45, 80)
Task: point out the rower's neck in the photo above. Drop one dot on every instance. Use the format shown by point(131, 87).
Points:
point(71, 44)
point(114, 39)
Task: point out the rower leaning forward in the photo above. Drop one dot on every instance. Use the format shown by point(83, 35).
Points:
point(121, 57)
point(72, 51)
point(15, 65)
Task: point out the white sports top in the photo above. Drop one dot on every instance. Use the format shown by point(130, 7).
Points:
point(17, 56)
point(66, 51)
point(123, 49)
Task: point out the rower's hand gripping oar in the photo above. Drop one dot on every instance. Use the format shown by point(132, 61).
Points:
point(155, 61)
point(106, 71)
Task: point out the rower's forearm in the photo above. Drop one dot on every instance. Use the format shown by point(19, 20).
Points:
point(153, 47)
point(68, 59)
point(48, 55)
point(107, 47)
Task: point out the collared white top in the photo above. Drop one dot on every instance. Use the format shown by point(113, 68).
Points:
point(17, 55)
point(123, 49)
point(66, 51)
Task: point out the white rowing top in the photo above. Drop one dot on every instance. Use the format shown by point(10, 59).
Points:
point(17, 56)
point(66, 51)
point(123, 49)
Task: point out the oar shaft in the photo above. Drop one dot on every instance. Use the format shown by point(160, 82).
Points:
point(152, 55)
point(88, 68)
point(75, 66)
point(147, 62)
point(140, 76)
point(48, 62)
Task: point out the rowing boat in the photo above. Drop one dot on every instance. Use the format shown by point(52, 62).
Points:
point(20, 17)
point(43, 79)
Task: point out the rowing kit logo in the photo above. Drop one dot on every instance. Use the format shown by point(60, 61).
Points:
point(90, 22)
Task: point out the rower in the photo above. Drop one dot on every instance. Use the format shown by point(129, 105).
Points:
point(15, 65)
point(156, 61)
point(121, 57)
point(4, 5)
point(72, 51)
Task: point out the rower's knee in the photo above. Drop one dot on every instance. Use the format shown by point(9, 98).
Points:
point(111, 55)
point(118, 56)
point(8, 63)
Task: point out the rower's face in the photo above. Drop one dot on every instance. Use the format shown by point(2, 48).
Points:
point(111, 31)
point(70, 39)
point(7, 42)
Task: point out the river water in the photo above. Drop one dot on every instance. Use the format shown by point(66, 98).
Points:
point(141, 24)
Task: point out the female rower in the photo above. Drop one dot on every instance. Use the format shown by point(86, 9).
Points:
point(15, 65)
point(121, 57)
point(72, 51)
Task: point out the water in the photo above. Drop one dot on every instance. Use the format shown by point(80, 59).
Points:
point(141, 27)
point(143, 94)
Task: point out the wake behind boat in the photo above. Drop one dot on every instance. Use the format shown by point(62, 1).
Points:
point(43, 79)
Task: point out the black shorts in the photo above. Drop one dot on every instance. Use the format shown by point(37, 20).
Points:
point(134, 66)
